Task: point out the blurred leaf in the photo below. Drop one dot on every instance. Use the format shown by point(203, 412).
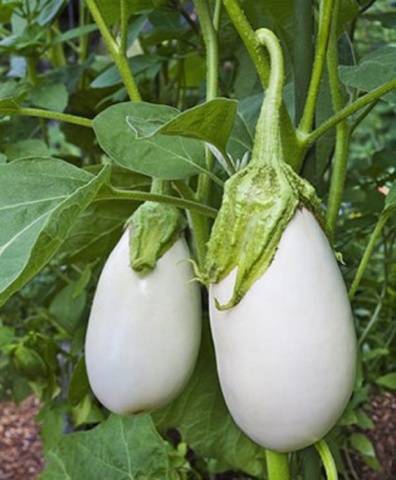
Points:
point(79, 385)
point(74, 33)
point(119, 448)
point(67, 308)
point(146, 66)
point(50, 96)
point(372, 71)
point(40, 199)
point(49, 11)
point(34, 147)
point(362, 444)
point(387, 381)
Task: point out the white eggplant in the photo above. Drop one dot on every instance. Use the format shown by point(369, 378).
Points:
point(286, 353)
point(144, 330)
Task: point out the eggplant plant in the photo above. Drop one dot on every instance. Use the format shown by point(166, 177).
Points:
point(186, 264)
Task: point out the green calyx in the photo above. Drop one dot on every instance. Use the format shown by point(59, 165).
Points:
point(154, 228)
point(260, 200)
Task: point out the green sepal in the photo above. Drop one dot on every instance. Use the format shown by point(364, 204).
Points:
point(154, 228)
point(258, 204)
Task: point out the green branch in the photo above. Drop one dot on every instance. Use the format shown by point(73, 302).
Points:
point(347, 111)
point(114, 49)
point(327, 460)
point(325, 17)
point(117, 194)
point(212, 73)
point(48, 114)
point(249, 39)
point(340, 159)
point(368, 253)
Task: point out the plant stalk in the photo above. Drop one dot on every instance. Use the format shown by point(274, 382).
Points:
point(347, 111)
point(48, 114)
point(325, 17)
point(115, 50)
point(327, 460)
point(118, 194)
point(367, 254)
point(277, 465)
point(340, 159)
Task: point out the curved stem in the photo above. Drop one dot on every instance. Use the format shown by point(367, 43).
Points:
point(340, 159)
point(327, 460)
point(117, 194)
point(293, 147)
point(48, 114)
point(277, 465)
point(325, 16)
point(268, 124)
point(115, 51)
point(347, 111)
point(367, 254)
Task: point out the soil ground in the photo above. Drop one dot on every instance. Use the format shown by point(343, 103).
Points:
point(21, 453)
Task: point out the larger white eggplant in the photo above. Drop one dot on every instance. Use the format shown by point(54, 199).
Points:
point(286, 352)
point(144, 330)
point(280, 315)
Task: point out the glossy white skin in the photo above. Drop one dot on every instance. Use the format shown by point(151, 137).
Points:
point(286, 354)
point(144, 331)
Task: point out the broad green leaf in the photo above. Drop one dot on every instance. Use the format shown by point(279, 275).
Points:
point(362, 444)
point(210, 122)
point(122, 132)
point(202, 418)
point(372, 71)
point(40, 199)
point(387, 381)
point(118, 449)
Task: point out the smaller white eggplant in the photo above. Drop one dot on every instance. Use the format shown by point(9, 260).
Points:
point(144, 330)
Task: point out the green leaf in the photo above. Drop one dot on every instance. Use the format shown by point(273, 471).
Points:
point(122, 131)
point(67, 308)
point(387, 381)
point(79, 385)
point(27, 148)
point(362, 444)
point(49, 11)
point(202, 418)
point(51, 96)
point(210, 122)
point(390, 201)
point(74, 33)
point(40, 199)
point(142, 66)
point(372, 71)
point(120, 448)
point(7, 335)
